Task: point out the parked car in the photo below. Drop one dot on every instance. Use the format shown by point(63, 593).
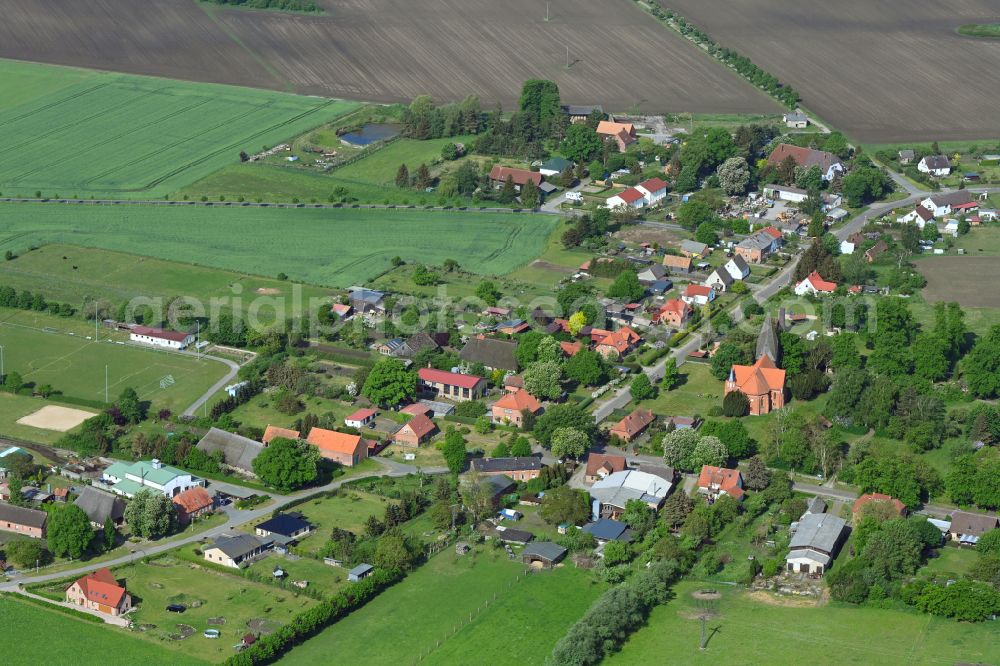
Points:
point(176, 608)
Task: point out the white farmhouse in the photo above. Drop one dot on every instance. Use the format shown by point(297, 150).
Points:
point(935, 165)
point(159, 337)
point(737, 268)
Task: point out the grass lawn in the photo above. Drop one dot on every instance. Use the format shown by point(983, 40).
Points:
point(952, 560)
point(260, 411)
point(50, 636)
point(983, 30)
point(13, 407)
point(348, 510)
point(218, 595)
point(753, 632)
point(323, 577)
point(429, 604)
point(697, 392)
point(75, 366)
point(69, 273)
point(120, 135)
point(324, 247)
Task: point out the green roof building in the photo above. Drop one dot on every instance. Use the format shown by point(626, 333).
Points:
point(127, 479)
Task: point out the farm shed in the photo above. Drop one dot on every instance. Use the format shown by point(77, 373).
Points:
point(543, 554)
point(360, 572)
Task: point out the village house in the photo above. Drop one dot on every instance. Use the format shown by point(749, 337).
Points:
point(622, 134)
point(613, 492)
point(677, 264)
point(796, 120)
point(828, 163)
point(99, 591)
point(522, 468)
point(785, 193)
point(872, 253)
point(284, 527)
point(715, 481)
point(415, 431)
point(967, 527)
point(192, 503)
point(271, 432)
point(906, 156)
point(759, 246)
point(632, 425)
point(512, 327)
point(100, 506)
point(342, 310)
point(580, 113)
point(235, 550)
point(511, 408)
point(453, 385)
point(340, 447)
point(602, 465)
point(360, 418)
point(417, 409)
point(920, 215)
point(367, 301)
point(897, 507)
point(20, 520)
point(934, 165)
point(604, 530)
point(128, 479)
point(719, 280)
point(159, 337)
point(494, 354)
point(696, 294)
point(520, 177)
point(674, 313)
point(653, 190)
point(616, 344)
point(629, 198)
point(391, 347)
point(815, 543)
point(690, 248)
point(652, 273)
point(950, 202)
point(737, 268)
point(555, 166)
point(814, 285)
point(238, 452)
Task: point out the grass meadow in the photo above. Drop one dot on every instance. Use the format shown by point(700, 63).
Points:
point(106, 134)
point(14, 407)
point(38, 635)
point(75, 366)
point(333, 247)
point(763, 630)
point(70, 273)
point(419, 615)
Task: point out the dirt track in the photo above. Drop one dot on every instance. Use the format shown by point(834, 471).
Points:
point(390, 50)
point(881, 70)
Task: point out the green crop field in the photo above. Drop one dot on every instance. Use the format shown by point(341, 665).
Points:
point(42, 349)
point(520, 626)
point(754, 632)
point(69, 273)
point(105, 134)
point(335, 247)
point(38, 636)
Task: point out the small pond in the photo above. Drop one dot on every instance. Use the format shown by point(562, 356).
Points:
point(370, 133)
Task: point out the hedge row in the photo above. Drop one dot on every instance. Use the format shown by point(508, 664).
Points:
point(308, 623)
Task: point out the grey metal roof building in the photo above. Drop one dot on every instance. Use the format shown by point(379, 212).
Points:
point(501, 465)
point(817, 538)
point(238, 546)
point(544, 551)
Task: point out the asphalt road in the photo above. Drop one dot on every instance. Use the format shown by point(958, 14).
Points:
point(217, 386)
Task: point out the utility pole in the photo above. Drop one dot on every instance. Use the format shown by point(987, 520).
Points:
point(567, 57)
point(1, 361)
point(197, 340)
point(105, 383)
point(546, 12)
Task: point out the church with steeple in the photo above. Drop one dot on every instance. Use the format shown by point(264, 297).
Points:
point(763, 383)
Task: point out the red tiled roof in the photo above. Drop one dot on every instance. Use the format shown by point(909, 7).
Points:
point(192, 499)
point(635, 422)
point(274, 431)
point(519, 176)
point(621, 340)
point(160, 333)
point(631, 195)
point(803, 157)
point(879, 497)
point(759, 378)
point(420, 425)
point(773, 232)
point(697, 290)
point(571, 348)
point(653, 184)
point(435, 376)
point(598, 460)
point(818, 283)
point(333, 441)
point(101, 587)
point(361, 415)
point(611, 128)
point(727, 480)
point(518, 401)
point(675, 261)
point(416, 409)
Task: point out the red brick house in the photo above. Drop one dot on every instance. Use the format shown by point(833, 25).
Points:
point(415, 431)
point(714, 481)
point(633, 425)
point(868, 498)
point(99, 591)
point(674, 312)
point(453, 385)
point(617, 344)
point(511, 408)
point(18, 519)
point(520, 177)
point(192, 503)
point(622, 134)
point(274, 431)
point(348, 450)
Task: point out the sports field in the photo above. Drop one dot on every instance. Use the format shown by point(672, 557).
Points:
point(14, 408)
point(755, 632)
point(41, 636)
point(39, 347)
point(333, 247)
point(419, 616)
point(70, 273)
point(97, 133)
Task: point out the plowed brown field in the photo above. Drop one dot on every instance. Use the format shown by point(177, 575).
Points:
point(882, 70)
point(390, 50)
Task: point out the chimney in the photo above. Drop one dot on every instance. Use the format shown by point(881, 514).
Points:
point(155, 462)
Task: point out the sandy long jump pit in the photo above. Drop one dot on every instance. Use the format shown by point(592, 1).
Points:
point(54, 417)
